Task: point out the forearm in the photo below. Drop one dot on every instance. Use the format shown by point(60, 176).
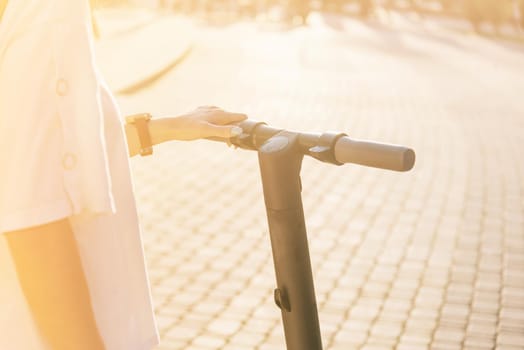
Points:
point(203, 122)
point(50, 273)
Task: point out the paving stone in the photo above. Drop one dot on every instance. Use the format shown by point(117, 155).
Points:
point(479, 342)
point(505, 338)
point(224, 327)
point(481, 329)
point(182, 333)
point(246, 338)
point(508, 347)
point(386, 330)
point(392, 316)
point(514, 314)
point(450, 334)
point(421, 324)
point(413, 339)
point(171, 344)
point(438, 345)
point(455, 311)
point(376, 345)
point(352, 326)
point(350, 338)
point(208, 342)
point(511, 326)
point(230, 346)
point(486, 318)
point(487, 307)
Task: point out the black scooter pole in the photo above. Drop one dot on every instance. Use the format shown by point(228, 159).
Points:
point(280, 162)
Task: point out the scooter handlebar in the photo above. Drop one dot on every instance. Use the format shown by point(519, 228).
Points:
point(374, 154)
point(333, 148)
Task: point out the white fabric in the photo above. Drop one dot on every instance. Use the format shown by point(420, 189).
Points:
point(63, 155)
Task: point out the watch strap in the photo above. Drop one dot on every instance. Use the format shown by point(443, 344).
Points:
point(141, 123)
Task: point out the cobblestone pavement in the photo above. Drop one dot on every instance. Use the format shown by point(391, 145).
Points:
point(430, 259)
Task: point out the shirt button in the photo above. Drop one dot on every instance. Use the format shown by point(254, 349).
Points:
point(61, 87)
point(69, 161)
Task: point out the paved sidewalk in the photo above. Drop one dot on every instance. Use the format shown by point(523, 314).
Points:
point(137, 46)
point(430, 259)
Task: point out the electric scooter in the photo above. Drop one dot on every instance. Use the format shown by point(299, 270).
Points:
point(280, 154)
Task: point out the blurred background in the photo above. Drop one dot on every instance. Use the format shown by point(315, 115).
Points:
point(428, 259)
point(496, 13)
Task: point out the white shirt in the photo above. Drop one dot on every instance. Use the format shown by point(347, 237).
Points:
point(63, 154)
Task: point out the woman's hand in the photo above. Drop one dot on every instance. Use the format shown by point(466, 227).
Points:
point(207, 121)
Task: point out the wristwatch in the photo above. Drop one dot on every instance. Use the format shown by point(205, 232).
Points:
point(141, 123)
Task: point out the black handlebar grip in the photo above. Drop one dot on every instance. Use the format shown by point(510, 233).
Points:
point(373, 154)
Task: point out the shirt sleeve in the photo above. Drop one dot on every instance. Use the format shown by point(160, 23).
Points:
point(78, 99)
point(53, 157)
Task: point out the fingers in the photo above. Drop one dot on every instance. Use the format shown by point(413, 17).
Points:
point(215, 122)
point(229, 118)
point(215, 115)
point(222, 131)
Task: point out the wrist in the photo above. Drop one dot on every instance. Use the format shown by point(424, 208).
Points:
point(158, 131)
